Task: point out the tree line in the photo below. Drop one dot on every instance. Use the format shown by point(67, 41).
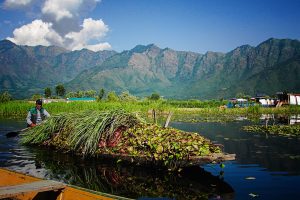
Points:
point(101, 95)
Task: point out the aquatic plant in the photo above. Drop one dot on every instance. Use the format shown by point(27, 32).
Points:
point(167, 145)
point(124, 135)
point(286, 130)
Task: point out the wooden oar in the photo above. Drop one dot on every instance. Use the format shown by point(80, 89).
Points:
point(15, 133)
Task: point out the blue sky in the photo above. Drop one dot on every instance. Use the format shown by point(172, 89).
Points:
point(188, 25)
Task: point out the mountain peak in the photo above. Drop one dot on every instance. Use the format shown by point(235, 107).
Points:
point(139, 49)
point(7, 44)
point(150, 46)
point(275, 41)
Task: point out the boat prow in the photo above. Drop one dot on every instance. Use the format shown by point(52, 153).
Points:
point(14, 185)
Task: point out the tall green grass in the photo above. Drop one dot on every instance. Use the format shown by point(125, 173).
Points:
point(19, 109)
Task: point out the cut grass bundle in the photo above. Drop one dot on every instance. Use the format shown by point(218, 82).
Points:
point(82, 131)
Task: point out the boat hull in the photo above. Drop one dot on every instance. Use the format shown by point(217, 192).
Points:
point(15, 180)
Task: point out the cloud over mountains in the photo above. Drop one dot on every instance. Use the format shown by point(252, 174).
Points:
point(60, 23)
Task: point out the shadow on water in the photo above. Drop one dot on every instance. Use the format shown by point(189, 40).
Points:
point(131, 181)
point(111, 177)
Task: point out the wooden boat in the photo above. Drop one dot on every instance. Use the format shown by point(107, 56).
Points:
point(19, 186)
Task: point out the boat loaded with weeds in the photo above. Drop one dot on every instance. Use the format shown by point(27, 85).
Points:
point(123, 136)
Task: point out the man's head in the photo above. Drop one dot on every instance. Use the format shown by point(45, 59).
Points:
point(38, 103)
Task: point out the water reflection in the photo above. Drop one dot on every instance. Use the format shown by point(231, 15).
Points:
point(275, 153)
point(110, 177)
point(272, 160)
point(267, 119)
point(272, 119)
point(131, 181)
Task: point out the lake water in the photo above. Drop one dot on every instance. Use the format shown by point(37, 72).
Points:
point(266, 167)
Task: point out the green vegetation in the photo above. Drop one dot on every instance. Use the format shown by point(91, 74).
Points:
point(286, 130)
point(47, 92)
point(154, 96)
point(81, 131)
point(195, 110)
point(19, 108)
point(112, 97)
point(5, 97)
point(167, 145)
point(194, 103)
point(101, 94)
point(118, 132)
point(36, 97)
point(60, 90)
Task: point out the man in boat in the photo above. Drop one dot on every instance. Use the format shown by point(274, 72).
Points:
point(36, 114)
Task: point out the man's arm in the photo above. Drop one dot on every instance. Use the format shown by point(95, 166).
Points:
point(46, 113)
point(28, 118)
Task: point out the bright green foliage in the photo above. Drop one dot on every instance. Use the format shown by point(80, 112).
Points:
point(112, 97)
point(126, 96)
point(254, 109)
point(36, 97)
point(167, 145)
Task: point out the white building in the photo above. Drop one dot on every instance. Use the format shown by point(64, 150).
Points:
point(294, 99)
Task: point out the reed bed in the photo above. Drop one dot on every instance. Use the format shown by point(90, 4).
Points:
point(20, 108)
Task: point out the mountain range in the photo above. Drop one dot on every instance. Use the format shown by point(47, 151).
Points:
point(272, 66)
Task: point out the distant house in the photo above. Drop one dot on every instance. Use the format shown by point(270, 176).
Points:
point(53, 100)
point(265, 101)
point(294, 99)
point(239, 103)
point(87, 99)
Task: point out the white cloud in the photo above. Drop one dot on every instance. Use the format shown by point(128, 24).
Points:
point(42, 33)
point(59, 25)
point(66, 15)
point(16, 3)
point(61, 8)
point(94, 47)
point(91, 30)
point(36, 33)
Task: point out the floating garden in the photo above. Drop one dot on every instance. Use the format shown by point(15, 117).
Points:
point(123, 136)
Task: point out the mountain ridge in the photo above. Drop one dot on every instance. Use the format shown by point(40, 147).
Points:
point(175, 74)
